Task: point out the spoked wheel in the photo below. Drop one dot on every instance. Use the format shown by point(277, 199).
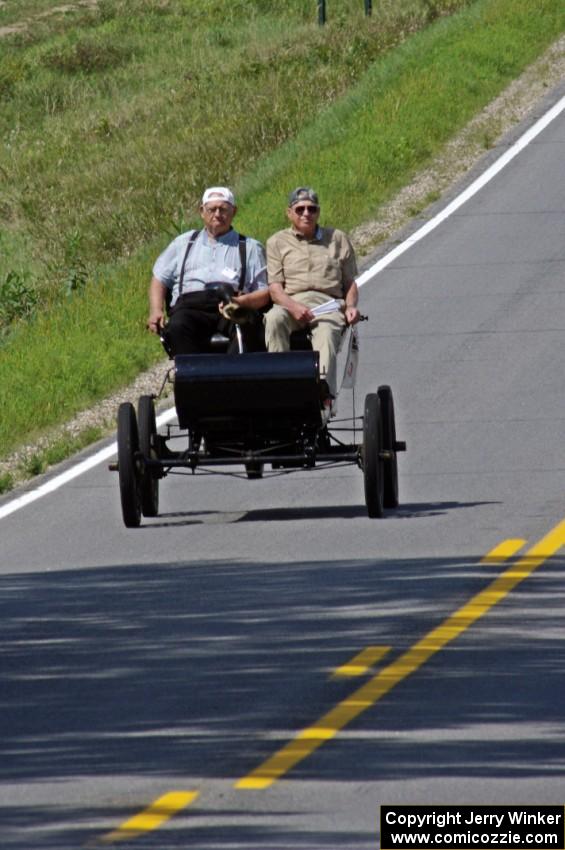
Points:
point(389, 445)
point(149, 480)
point(373, 470)
point(254, 469)
point(128, 446)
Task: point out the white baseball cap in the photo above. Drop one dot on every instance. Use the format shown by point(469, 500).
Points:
point(218, 193)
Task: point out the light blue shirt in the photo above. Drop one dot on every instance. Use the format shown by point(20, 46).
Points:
point(211, 261)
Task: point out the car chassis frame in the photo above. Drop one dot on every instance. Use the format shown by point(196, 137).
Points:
point(251, 410)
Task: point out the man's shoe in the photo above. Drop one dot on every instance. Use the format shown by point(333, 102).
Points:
point(327, 409)
point(324, 391)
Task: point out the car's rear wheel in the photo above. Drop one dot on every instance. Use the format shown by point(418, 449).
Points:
point(390, 465)
point(128, 467)
point(149, 479)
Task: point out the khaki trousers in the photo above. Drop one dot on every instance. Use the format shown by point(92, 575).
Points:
point(327, 332)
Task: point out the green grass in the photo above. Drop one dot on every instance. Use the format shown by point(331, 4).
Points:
point(111, 129)
point(110, 126)
point(363, 149)
point(6, 482)
point(37, 462)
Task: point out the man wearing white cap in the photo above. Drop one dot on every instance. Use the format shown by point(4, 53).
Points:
point(187, 270)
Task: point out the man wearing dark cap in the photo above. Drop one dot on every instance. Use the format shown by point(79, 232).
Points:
point(188, 272)
point(309, 266)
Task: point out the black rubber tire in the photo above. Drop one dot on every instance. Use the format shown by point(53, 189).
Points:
point(149, 482)
point(128, 446)
point(373, 469)
point(389, 442)
point(254, 469)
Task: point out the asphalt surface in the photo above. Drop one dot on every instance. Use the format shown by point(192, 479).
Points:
point(166, 666)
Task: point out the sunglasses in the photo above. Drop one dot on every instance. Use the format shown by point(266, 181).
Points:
point(311, 208)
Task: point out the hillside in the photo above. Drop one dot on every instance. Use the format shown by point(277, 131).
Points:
point(111, 130)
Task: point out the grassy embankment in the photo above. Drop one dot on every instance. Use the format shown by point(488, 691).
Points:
point(112, 123)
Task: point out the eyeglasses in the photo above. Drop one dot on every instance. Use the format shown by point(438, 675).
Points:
point(220, 210)
point(310, 208)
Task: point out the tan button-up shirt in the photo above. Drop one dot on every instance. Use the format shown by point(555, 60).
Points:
point(325, 263)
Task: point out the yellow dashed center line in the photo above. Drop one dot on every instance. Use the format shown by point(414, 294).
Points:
point(503, 551)
point(327, 727)
point(151, 818)
point(362, 662)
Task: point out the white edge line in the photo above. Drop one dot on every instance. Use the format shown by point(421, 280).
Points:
point(468, 193)
point(59, 480)
point(108, 451)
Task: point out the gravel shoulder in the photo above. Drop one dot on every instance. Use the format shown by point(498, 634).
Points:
point(484, 135)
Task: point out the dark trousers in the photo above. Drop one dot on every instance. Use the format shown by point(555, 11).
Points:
point(195, 318)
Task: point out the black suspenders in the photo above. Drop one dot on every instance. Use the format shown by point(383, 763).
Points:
point(242, 257)
point(243, 260)
point(193, 237)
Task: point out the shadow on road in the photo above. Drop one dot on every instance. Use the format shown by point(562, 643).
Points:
point(405, 511)
point(205, 669)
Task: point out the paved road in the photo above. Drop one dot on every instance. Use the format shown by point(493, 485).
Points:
point(163, 674)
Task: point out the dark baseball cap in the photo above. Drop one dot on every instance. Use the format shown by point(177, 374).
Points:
point(303, 193)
